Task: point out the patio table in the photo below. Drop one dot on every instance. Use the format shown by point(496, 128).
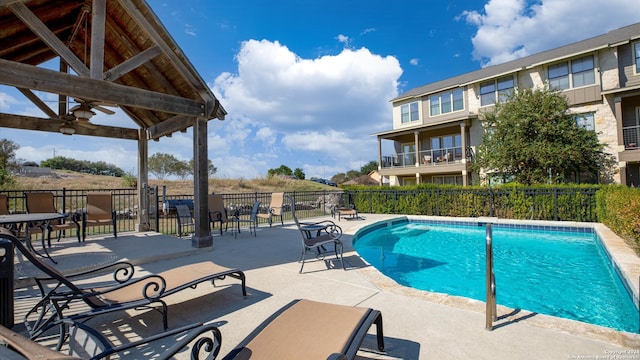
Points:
point(41, 220)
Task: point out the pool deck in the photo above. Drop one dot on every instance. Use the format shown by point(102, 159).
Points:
point(417, 324)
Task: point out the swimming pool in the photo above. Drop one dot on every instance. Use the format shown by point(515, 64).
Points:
point(562, 272)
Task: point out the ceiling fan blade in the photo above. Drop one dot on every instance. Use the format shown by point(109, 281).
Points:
point(104, 110)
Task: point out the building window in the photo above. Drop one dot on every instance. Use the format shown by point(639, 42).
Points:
point(410, 112)
point(636, 51)
point(447, 179)
point(586, 121)
point(446, 102)
point(576, 73)
point(499, 89)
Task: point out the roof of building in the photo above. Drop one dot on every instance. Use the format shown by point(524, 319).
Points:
point(140, 68)
point(612, 38)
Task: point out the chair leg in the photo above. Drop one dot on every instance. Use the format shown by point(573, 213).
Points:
point(304, 250)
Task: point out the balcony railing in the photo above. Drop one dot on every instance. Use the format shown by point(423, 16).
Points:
point(431, 157)
point(631, 135)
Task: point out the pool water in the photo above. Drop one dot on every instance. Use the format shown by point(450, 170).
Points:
point(560, 273)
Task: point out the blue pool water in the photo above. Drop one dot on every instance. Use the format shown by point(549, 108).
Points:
point(559, 273)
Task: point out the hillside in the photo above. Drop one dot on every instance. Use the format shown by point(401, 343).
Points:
point(78, 181)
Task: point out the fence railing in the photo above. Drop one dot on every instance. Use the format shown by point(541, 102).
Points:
point(570, 204)
point(124, 202)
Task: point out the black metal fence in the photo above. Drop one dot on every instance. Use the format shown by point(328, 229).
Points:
point(572, 204)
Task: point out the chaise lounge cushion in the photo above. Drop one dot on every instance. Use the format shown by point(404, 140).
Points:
point(306, 329)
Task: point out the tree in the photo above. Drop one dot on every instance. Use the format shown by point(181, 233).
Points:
point(7, 161)
point(183, 169)
point(368, 167)
point(298, 173)
point(161, 165)
point(8, 154)
point(282, 170)
point(211, 169)
point(532, 138)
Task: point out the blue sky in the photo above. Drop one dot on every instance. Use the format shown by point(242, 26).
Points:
point(306, 82)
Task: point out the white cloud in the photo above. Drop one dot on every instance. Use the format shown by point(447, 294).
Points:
point(414, 61)
point(510, 29)
point(343, 39)
point(7, 101)
point(324, 107)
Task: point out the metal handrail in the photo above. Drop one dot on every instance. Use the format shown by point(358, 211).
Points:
point(491, 312)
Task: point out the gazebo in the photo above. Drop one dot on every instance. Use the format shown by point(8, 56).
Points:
point(112, 53)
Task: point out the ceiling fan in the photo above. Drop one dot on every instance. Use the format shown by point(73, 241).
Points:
point(84, 111)
point(81, 114)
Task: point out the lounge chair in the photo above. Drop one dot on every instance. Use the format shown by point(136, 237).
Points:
point(58, 290)
point(218, 213)
point(86, 343)
point(305, 329)
point(316, 236)
point(275, 208)
point(99, 212)
point(43, 202)
point(184, 218)
point(252, 220)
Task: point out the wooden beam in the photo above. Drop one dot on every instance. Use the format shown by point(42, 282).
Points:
point(49, 38)
point(98, 16)
point(37, 102)
point(186, 71)
point(132, 63)
point(9, 2)
point(31, 77)
point(169, 126)
point(53, 125)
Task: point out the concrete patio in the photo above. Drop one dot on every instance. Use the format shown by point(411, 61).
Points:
point(417, 324)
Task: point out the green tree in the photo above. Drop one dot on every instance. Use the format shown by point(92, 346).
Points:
point(368, 167)
point(161, 165)
point(211, 169)
point(339, 178)
point(531, 137)
point(8, 150)
point(7, 161)
point(282, 170)
point(183, 169)
point(299, 173)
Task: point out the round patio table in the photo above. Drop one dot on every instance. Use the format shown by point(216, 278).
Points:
point(41, 220)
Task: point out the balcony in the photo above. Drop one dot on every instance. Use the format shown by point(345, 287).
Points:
point(631, 135)
point(433, 157)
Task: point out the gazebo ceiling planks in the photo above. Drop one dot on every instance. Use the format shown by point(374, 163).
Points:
point(143, 70)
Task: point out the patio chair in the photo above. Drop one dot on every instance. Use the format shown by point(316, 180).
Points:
point(218, 213)
point(316, 236)
point(43, 202)
point(87, 343)
point(305, 329)
point(99, 212)
point(184, 218)
point(252, 220)
point(58, 291)
point(4, 210)
point(275, 208)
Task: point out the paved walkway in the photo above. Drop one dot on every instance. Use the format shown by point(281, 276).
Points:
point(417, 324)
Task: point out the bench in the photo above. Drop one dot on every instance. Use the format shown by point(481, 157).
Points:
point(169, 206)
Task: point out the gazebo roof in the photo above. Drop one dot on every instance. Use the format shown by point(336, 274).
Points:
point(112, 53)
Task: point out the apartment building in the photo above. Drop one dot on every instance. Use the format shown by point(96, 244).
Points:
point(437, 128)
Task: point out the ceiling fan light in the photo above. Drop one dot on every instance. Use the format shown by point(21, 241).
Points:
point(67, 130)
point(83, 114)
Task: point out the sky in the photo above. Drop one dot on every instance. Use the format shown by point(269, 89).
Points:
point(307, 82)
